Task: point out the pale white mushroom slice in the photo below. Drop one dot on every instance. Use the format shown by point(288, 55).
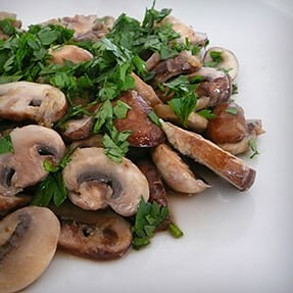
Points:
point(203, 151)
point(176, 172)
point(229, 61)
point(24, 100)
point(28, 241)
point(70, 53)
point(32, 145)
point(95, 181)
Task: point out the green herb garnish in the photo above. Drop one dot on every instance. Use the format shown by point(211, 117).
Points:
point(253, 146)
point(232, 110)
point(207, 113)
point(216, 57)
point(154, 118)
point(6, 145)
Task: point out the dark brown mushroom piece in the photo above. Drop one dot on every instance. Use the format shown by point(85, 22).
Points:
point(94, 181)
point(10, 203)
point(176, 172)
point(184, 63)
point(22, 100)
point(99, 235)
point(70, 53)
point(205, 152)
point(32, 145)
point(28, 241)
point(215, 85)
point(144, 132)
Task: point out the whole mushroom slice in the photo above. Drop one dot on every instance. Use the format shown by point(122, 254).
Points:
point(229, 61)
point(215, 85)
point(99, 235)
point(24, 100)
point(70, 53)
point(176, 172)
point(146, 91)
point(95, 181)
point(32, 145)
point(28, 241)
point(144, 132)
point(184, 63)
point(210, 155)
point(195, 121)
point(185, 31)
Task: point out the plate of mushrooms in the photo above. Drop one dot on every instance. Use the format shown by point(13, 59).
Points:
point(137, 142)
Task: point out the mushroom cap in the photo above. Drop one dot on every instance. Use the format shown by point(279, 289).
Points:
point(28, 242)
point(32, 145)
point(71, 53)
point(176, 172)
point(94, 181)
point(229, 62)
point(24, 100)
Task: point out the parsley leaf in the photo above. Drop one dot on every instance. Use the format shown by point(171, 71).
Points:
point(148, 218)
point(104, 114)
point(253, 146)
point(216, 57)
point(6, 145)
point(154, 118)
point(120, 109)
point(6, 25)
point(207, 113)
point(175, 230)
point(234, 89)
point(232, 110)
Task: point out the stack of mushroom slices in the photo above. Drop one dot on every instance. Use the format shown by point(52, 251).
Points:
point(104, 195)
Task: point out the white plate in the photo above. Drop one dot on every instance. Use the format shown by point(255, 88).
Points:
point(234, 242)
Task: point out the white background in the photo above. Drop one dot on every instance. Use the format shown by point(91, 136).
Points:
point(234, 242)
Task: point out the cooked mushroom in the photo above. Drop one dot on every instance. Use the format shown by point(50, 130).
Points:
point(70, 53)
point(9, 203)
point(152, 61)
point(96, 235)
point(77, 129)
point(176, 172)
point(229, 125)
point(216, 85)
point(146, 91)
point(95, 181)
point(31, 101)
point(144, 132)
point(183, 63)
point(32, 145)
point(207, 153)
point(89, 27)
point(28, 242)
point(196, 122)
point(229, 61)
point(185, 31)
point(93, 141)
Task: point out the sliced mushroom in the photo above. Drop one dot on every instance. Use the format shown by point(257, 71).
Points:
point(32, 145)
point(24, 100)
point(9, 203)
point(70, 53)
point(89, 27)
point(77, 129)
point(96, 235)
point(229, 61)
point(176, 172)
point(216, 85)
point(207, 153)
point(229, 125)
point(28, 242)
point(184, 63)
point(146, 91)
point(196, 122)
point(144, 132)
point(185, 31)
point(152, 61)
point(93, 141)
point(94, 181)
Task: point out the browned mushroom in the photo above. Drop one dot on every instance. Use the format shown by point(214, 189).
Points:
point(24, 100)
point(215, 85)
point(176, 172)
point(95, 181)
point(184, 63)
point(32, 145)
point(70, 53)
point(207, 153)
point(10, 203)
point(96, 235)
point(28, 242)
point(93, 141)
point(144, 132)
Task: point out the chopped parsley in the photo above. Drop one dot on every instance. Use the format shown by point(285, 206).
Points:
point(154, 118)
point(216, 57)
point(253, 147)
point(234, 89)
point(207, 113)
point(6, 145)
point(232, 110)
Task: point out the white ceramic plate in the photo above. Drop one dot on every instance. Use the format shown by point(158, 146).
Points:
point(234, 242)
